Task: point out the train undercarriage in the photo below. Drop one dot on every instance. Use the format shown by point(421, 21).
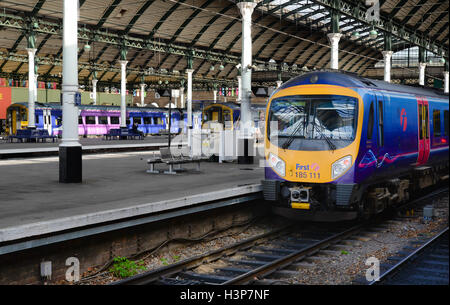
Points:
point(338, 202)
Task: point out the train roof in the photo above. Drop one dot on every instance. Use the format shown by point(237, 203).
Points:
point(346, 79)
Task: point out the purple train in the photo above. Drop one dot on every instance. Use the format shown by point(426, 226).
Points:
point(339, 146)
point(93, 120)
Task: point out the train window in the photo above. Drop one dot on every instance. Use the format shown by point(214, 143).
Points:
point(90, 120)
point(158, 120)
point(446, 123)
point(58, 121)
point(147, 120)
point(80, 120)
point(128, 122)
point(103, 120)
point(380, 124)
point(114, 120)
point(37, 119)
point(436, 123)
point(370, 123)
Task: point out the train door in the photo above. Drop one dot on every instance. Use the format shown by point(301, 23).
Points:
point(423, 131)
point(47, 117)
point(18, 119)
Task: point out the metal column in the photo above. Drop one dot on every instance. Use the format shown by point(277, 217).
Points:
point(387, 55)
point(123, 91)
point(31, 89)
point(70, 161)
point(246, 9)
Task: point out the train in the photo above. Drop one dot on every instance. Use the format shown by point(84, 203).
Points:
point(342, 147)
point(227, 116)
point(94, 120)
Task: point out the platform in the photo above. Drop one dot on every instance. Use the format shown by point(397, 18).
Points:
point(115, 186)
point(89, 145)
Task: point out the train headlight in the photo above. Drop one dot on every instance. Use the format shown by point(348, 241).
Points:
point(277, 164)
point(340, 166)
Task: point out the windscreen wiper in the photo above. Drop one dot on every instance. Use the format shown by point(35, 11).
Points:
point(327, 139)
point(291, 137)
point(294, 132)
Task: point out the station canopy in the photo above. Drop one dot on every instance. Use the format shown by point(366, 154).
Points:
point(160, 36)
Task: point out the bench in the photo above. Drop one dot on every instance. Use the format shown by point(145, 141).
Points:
point(122, 133)
point(32, 134)
point(170, 159)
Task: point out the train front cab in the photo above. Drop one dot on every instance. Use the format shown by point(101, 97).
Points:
point(225, 115)
point(308, 176)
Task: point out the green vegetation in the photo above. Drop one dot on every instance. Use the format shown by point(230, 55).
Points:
point(123, 267)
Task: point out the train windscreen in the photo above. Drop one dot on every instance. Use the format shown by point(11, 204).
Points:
point(319, 122)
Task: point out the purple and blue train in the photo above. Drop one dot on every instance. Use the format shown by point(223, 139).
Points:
point(339, 146)
point(94, 119)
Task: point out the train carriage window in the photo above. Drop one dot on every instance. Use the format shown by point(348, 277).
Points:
point(380, 124)
point(148, 120)
point(90, 120)
point(114, 120)
point(103, 120)
point(138, 120)
point(436, 123)
point(37, 119)
point(370, 123)
point(159, 120)
point(80, 120)
point(128, 122)
point(446, 123)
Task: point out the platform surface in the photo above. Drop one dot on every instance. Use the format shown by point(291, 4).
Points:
point(114, 185)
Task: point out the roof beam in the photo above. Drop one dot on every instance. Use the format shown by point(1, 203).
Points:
point(401, 30)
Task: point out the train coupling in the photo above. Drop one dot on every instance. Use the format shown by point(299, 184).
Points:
point(300, 194)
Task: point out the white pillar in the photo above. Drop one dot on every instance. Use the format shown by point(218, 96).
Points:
point(445, 81)
point(246, 9)
point(189, 96)
point(123, 91)
point(70, 161)
point(422, 66)
point(387, 55)
point(94, 90)
point(215, 96)
point(279, 82)
point(189, 106)
point(35, 87)
point(182, 97)
point(239, 88)
point(334, 41)
point(142, 94)
point(31, 89)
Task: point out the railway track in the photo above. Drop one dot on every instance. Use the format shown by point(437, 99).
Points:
point(427, 265)
point(262, 259)
point(270, 258)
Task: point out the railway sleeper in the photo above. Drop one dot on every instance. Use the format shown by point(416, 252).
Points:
point(283, 274)
point(328, 253)
point(204, 278)
point(300, 266)
point(315, 259)
point(262, 256)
